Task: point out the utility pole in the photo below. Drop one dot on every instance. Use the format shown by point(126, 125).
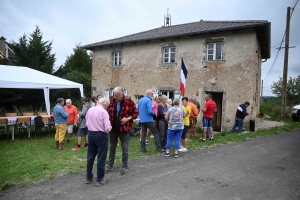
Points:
point(285, 65)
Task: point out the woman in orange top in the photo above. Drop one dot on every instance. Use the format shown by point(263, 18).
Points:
point(73, 117)
point(193, 118)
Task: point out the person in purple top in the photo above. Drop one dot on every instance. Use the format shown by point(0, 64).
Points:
point(162, 124)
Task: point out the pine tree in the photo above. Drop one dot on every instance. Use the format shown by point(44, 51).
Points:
point(34, 53)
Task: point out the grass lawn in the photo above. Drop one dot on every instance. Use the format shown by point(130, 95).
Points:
point(27, 161)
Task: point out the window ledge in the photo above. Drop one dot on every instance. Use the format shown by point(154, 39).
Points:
point(214, 60)
point(115, 66)
point(168, 64)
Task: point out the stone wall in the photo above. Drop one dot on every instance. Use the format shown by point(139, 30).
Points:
point(237, 76)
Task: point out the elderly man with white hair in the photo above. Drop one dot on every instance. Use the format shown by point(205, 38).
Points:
point(72, 119)
point(98, 124)
point(146, 118)
point(122, 110)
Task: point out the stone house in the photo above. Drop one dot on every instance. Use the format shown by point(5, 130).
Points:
point(7, 56)
point(222, 57)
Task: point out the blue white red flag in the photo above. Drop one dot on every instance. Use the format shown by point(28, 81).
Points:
point(183, 77)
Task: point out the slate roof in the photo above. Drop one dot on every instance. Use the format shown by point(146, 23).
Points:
point(196, 28)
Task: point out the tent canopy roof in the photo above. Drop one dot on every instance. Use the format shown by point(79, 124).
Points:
point(24, 77)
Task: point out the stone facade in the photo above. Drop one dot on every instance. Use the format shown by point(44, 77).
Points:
point(234, 79)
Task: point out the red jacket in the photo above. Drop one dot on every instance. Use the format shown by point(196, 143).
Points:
point(128, 109)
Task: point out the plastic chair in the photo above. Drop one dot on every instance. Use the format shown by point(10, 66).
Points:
point(28, 114)
point(11, 114)
point(23, 123)
point(4, 126)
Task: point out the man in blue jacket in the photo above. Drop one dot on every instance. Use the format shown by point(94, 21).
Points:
point(146, 118)
point(60, 118)
point(241, 113)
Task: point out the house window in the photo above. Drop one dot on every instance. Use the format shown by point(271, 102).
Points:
point(169, 55)
point(214, 51)
point(116, 58)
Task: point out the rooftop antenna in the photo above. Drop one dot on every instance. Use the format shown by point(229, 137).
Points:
point(167, 20)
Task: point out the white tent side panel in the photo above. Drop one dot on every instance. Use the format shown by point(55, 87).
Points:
point(27, 78)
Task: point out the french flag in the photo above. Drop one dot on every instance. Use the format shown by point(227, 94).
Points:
point(183, 76)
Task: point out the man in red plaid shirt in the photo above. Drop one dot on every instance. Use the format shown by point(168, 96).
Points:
point(122, 111)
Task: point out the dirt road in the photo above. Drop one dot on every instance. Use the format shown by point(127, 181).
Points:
point(261, 168)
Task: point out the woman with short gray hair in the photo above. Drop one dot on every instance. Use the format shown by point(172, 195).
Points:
point(174, 118)
point(162, 124)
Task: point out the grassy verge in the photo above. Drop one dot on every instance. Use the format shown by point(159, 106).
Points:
point(28, 161)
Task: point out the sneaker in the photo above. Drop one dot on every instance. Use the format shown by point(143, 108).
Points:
point(99, 183)
point(88, 181)
point(76, 148)
point(161, 150)
point(108, 168)
point(123, 171)
point(183, 149)
point(212, 139)
point(148, 143)
point(68, 141)
point(180, 147)
point(165, 154)
point(175, 155)
point(203, 140)
point(86, 146)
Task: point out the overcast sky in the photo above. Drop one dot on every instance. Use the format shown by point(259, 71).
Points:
point(70, 22)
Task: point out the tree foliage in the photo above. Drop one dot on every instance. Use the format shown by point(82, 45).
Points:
point(77, 68)
point(30, 51)
point(293, 90)
point(33, 52)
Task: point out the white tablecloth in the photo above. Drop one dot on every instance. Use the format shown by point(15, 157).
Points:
point(13, 120)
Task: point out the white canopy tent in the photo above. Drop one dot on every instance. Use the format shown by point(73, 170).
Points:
point(27, 78)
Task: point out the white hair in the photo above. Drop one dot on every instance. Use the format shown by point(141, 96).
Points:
point(148, 91)
point(118, 89)
point(164, 97)
point(169, 101)
point(103, 101)
point(68, 101)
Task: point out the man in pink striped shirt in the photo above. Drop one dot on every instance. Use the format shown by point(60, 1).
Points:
point(98, 124)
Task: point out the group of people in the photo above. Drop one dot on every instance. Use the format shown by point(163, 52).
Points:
point(113, 118)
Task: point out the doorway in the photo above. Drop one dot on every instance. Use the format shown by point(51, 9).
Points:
point(217, 120)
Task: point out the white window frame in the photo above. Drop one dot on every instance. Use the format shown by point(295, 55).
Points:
point(167, 54)
point(213, 47)
point(116, 58)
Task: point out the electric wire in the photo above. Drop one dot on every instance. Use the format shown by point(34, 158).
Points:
point(274, 62)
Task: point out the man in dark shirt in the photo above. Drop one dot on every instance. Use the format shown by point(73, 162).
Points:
point(122, 111)
point(241, 113)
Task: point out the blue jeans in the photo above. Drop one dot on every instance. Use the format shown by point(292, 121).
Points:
point(176, 134)
point(238, 123)
point(98, 144)
point(207, 122)
point(113, 141)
